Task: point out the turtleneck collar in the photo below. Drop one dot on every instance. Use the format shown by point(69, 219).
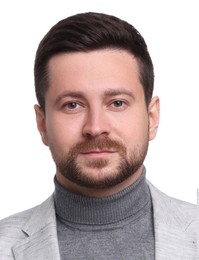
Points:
point(81, 209)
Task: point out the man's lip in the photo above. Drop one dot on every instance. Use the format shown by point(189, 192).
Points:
point(98, 152)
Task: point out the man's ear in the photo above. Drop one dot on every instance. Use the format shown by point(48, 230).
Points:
point(41, 123)
point(154, 114)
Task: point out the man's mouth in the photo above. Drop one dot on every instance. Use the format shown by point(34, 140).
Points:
point(98, 153)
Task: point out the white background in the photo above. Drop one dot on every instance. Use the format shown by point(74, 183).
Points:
point(171, 30)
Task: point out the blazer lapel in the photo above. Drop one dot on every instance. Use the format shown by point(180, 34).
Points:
point(175, 228)
point(41, 242)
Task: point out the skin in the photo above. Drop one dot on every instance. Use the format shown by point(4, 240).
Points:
point(93, 95)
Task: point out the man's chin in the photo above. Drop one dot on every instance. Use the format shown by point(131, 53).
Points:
point(98, 177)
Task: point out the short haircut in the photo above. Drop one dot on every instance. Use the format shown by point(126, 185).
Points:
point(86, 32)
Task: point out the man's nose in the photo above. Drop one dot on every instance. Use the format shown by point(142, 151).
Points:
point(96, 124)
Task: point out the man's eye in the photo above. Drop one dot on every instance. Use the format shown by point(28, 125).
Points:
point(71, 105)
point(118, 103)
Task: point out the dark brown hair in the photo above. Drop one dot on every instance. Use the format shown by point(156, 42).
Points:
point(91, 31)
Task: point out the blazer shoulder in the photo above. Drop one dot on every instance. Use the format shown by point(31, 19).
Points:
point(176, 212)
point(159, 195)
point(16, 220)
point(11, 231)
point(17, 228)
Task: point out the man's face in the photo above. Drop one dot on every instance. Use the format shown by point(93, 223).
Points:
point(96, 122)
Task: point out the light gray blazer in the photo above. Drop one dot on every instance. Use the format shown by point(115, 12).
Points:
point(32, 234)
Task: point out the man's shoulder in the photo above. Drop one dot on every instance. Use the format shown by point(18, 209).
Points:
point(160, 197)
point(173, 211)
point(11, 231)
point(16, 220)
point(13, 228)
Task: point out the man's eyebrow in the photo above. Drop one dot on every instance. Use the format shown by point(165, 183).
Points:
point(107, 93)
point(115, 92)
point(74, 94)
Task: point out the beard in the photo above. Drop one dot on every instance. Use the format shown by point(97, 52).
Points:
point(75, 170)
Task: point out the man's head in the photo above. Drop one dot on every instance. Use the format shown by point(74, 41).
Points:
point(94, 82)
point(87, 32)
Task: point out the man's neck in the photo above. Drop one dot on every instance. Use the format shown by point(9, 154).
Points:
point(80, 209)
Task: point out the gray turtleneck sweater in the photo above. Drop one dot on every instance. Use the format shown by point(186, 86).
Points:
point(110, 228)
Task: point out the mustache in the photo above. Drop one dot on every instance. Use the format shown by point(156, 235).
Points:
point(100, 143)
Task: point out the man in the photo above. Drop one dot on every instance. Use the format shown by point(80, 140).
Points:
point(94, 84)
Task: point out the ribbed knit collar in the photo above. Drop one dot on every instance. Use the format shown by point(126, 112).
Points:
point(81, 209)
